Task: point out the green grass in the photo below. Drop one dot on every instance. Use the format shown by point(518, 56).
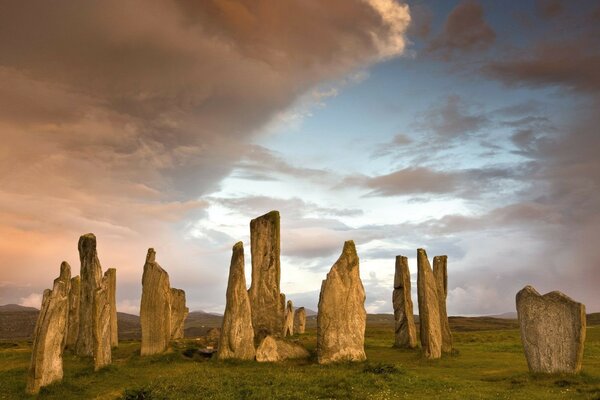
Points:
point(488, 365)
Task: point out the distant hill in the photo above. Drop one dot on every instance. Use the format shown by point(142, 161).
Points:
point(16, 308)
point(506, 315)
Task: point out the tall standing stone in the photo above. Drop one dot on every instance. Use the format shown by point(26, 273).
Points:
point(111, 275)
point(102, 330)
point(552, 331)
point(405, 330)
point(155, 308)
point(73, 324)
point(440, 273)
point(91, 275)
point(237, 334)
point(300, 320)
point(264, 289)
point(429, 314)
point(50, 334)
point(342, 318)
point(288, 325)
point(179, 313)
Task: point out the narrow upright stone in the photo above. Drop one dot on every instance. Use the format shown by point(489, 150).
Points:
point(91, 275)
point(73, 324)
point(552, 331)
point(155, 308)
point(440, 273)
point(237, 335)
point(429, 314)
point(49, 336)
point(406, 332)
point(111, 275)
point(267, 313)
point(102, 324)
point(300, 320)
point(179, 313)
point(288, 325)
point(342, 318)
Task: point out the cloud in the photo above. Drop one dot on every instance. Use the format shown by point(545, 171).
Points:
point(33, 300)
point(451, 118)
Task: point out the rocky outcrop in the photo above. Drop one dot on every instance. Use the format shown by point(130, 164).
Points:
point(288, 325)
point(111, 276)
point(50, 334)
point(272, 349)
point(265, 290)
point(102, 324)
point(341, 320)
point(155, 308)
point(429, 314)
point(553, 328)
point(73, 324)
point(405, 330)
point(300, 320)
point(91, 275)
point(179, 313)
point(237, 334)
point(440, 273)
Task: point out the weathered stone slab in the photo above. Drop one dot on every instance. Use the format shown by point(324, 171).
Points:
point(73, 324)
point(405, 330)
point(102, 324)
point(273, 349)
point(553, 328)
point(49, 338)
point(440, 273)
point(341, 320)
point(237, 334)
point(91, 275)
point(288, 325)
point(155, 308)
point(111, 275)
point(267, 313)
point(429, 314)
point(179, 313)
point(300, 320)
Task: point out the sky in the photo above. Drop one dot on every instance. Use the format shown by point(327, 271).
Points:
point(468, 128)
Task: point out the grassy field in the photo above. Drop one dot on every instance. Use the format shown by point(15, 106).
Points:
point(488, 365)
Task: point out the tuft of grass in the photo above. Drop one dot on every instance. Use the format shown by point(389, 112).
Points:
point(381, 369)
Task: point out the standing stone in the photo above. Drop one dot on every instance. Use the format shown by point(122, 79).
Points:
point(267, 312)
point(552, 331)
point(406, 332)
point(50, 334)
point(440, 273)
point(102, 330)
point(429, 314)
point(91, 274)
point(73, 324)
point(288, 325)
point(237, 335)
point(300, 320)
point(179, 313)
point(282, 309)
point(111, 275)
point(272, 349)
point(155, 308)
point(342, 318)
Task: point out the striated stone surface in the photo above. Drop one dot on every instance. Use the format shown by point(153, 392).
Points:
point(429, 314)
point(288, 325)
point(179, 313)
point(50, 334)
point(282, 309)
point(553, 328)
point(341, 320)
point(237, 334)
point(267, 311)
point(273, 349)
point(300, 320)
point(440, 273)
point(155, 308)
point(91, 274)
point(73, 323)
point(111, 275)
point(102, 330)
point(405, 330)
